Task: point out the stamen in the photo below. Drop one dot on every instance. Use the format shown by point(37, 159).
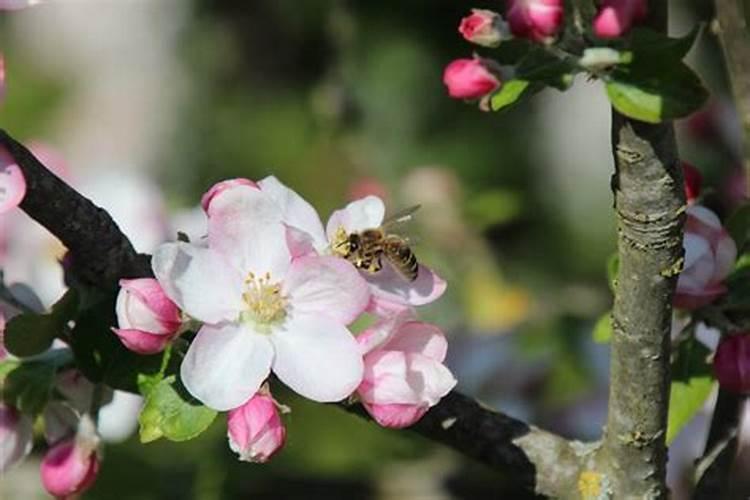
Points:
point(265, 304)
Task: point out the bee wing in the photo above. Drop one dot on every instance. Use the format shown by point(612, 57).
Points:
point(400, 217)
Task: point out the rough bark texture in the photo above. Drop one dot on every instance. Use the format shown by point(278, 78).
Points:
point(101, 254)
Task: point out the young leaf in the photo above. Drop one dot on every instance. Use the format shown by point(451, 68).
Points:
point(28, 386)
point(29, 334)
point(653, 95)
point(738, 225)
point(653, 44)
point(508, 94)
point(603, 329)
point(539, 66)
point(172, 413)
point(691, 385)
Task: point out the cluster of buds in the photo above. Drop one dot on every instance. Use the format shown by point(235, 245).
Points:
point(540, 21)
point(270, 289)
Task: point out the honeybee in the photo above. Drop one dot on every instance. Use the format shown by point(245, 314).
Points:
point(366, 249)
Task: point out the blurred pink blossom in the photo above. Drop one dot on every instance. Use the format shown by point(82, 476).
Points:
point(616, 17)
point(469, 79)
point(538, 20)
point(484, 27)
point(71, 466)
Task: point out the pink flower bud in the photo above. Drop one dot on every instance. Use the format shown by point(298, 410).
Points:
point(71, 466)
point(404, 371)
point(616, 17)
point(484, 27)
point(255, 429)
point(469, 79)
point(732, 363)
point(15, 436)
point(537, 20)
point(222, 186)
point(693, 181)
point(147, 318)
point(709, 258)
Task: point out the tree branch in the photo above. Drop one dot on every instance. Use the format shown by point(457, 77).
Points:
point(540, 461)
point(650, 204)
point(734, 39)
point(101, 254)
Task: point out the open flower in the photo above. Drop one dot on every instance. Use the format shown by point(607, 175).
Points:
point(16, 436)
point(71, 466)
point(261, 309)
point(709, 258)
point(306, 237)
point(255, 429)
point(148, 320)
point(404, 371)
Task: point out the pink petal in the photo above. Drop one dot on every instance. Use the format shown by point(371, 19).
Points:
point(366, 213)
point(245, 226)
point(390, 289)
point(296, 211)
point(326, 285)
point(222, 186)
point(694, 298)
point(379, 333)
point(199, 281)
point(143, 342)
point(300, 243)
point(396, 416)
point(226, 364)
point(416, 337)
point(143, 305)
point(12, 183)
point(67, 470)
point(255, 429)
point(317, 357)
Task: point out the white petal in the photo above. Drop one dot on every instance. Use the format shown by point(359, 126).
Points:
point(198, 280)
point(389, 286)
point(417, 337)
point(326, 285)
point(226, 365)
point(704, 216)
point(317, 357)
point(696, 247)
point(365, 213)
point(296, 211)
point(726, 254)
point(12, 187)
point(245, 225)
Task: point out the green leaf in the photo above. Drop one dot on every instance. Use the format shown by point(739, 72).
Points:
point(29, 334)
point(170, 412)
point(539, 66)
point(738, 225)
point(655, 94)
point(603, 329)
point(647, 43)
point(509, 93)
point(613, 267)
point(692, 383)
point(29, 385)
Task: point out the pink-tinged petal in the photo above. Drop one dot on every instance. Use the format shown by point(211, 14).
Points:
point(702, 221)
point(143, 305)
point(389, 287)
point(222, 186)
point(317, 357)
point(366, 213)
point(416, 337)
point(245, 226)
point(143, 342)
point(699, 265)
point(387, 379)
point(300, 243)
point(396, 416)
point(226, 364)
point(199, 281)
point(726, 255)
point(12, 183)
point(296, 211)
point(16, 436)
point(698, 297)
point(326, 285)
point(255, 430)
point(378, 334)
point(60, 421)
point(470, 79)
point(67, 470)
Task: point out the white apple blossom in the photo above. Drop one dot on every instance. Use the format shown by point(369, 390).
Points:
point(262, 310)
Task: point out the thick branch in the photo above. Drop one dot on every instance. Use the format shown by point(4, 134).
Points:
point(650, 203)
point(101, 253)
point(735, 43)
point(541, 462)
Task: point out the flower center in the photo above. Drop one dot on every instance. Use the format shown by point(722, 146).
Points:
point(265, 304)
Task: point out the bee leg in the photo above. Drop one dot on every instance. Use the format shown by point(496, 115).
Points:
point(375, 266)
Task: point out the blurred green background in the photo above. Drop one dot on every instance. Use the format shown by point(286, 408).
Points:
point(338, 99)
